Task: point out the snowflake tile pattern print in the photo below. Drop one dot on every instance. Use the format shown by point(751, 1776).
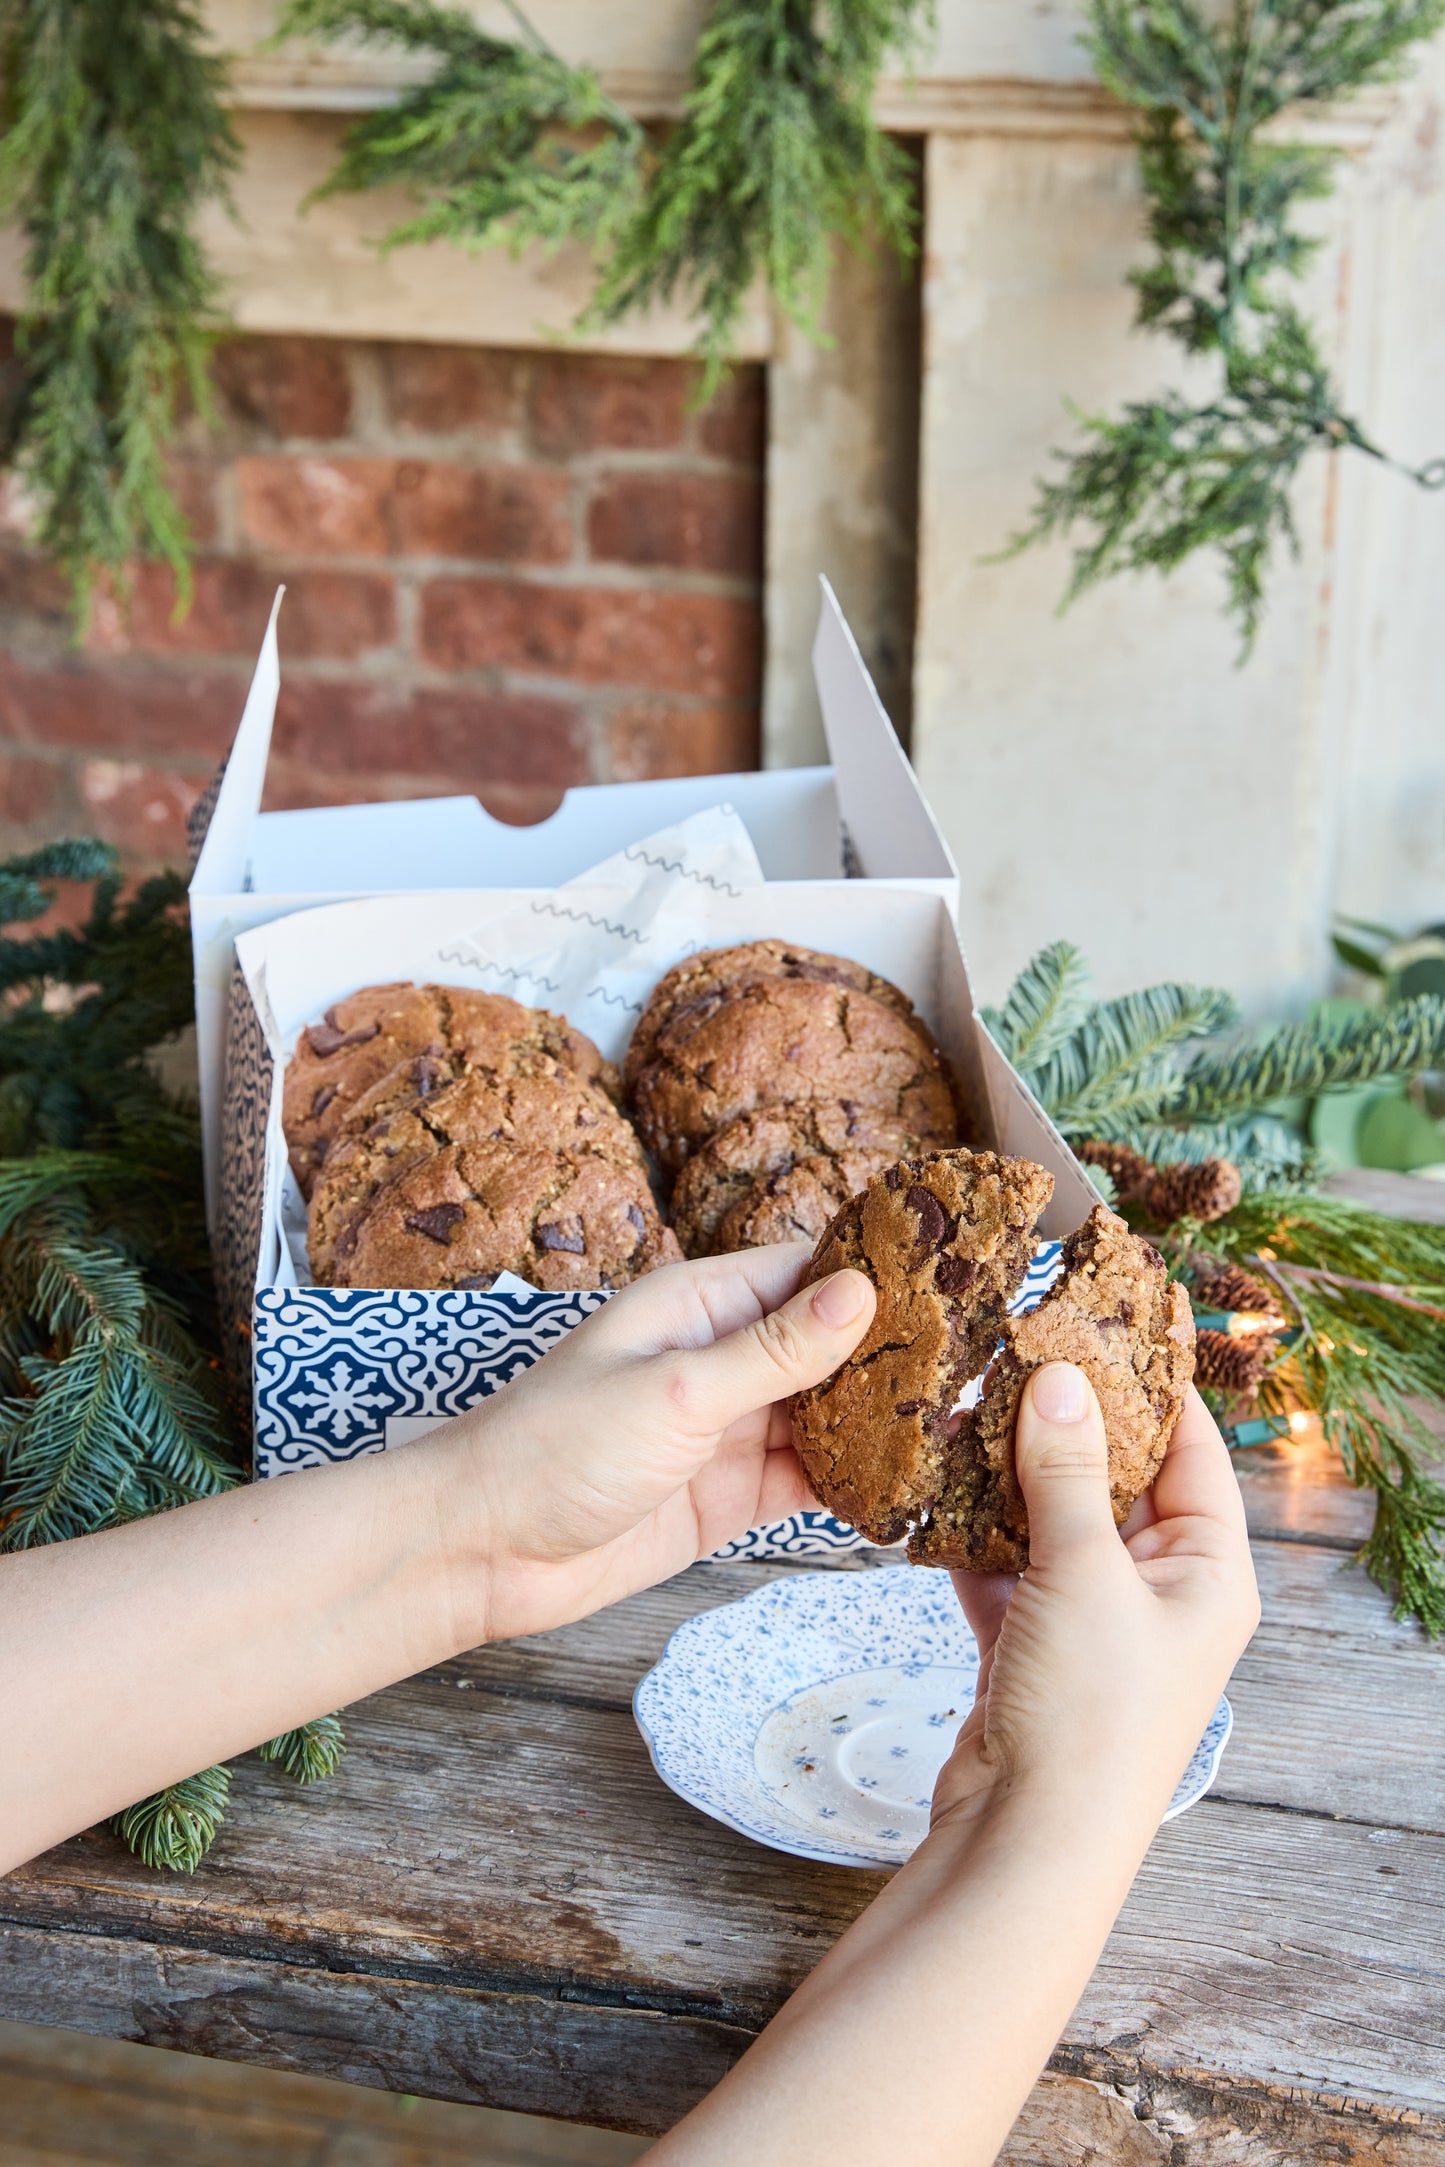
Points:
point(341, 1373)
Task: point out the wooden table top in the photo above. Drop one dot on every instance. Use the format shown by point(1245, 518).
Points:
point(497, 1900)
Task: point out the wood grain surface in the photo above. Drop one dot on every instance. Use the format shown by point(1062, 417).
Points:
point(496, 1900)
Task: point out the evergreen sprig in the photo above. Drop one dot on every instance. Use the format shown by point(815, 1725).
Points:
point(112, 135)
point(1366, 1298)
point(174, 1829)
point(1047, 1003)
point(1364, 1294)
point(311, 1753)
point(776, 154)
point(1173, 474)
point(112, 1400)
point(1135, 1071)
point(505, 142)
point(1306, 1059)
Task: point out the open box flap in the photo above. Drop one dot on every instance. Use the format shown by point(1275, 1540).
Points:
point(890, 827)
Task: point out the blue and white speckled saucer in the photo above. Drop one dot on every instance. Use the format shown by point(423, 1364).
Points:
point(815, 1714)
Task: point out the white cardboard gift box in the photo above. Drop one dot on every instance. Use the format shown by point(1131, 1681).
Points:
point(324, 901)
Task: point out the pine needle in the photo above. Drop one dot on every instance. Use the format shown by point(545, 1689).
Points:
point(311, 1753)
point(1367, 1295)
point(1047, 1003)
point(174, 1829)
point(505, 142)
point(1305, 1059)
point(776, 155)
point(1119, 1068)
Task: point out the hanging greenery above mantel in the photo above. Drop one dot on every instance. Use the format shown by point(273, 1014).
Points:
point(115, 137)
point(776, 154)
point(1179, 473)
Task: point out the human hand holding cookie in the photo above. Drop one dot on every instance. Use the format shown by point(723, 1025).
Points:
point(1103, 1662)
point(652, 1433)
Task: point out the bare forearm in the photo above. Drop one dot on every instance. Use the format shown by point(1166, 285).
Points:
point(132, 1658)
point(925, 2028)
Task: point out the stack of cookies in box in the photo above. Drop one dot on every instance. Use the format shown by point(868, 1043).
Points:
point(771, 1082)
point(442, 1136)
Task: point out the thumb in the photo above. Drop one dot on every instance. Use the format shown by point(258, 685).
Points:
point(789, 1349)
point(1062, 1456)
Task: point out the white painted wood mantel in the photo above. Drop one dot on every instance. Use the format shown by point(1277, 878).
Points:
point(1111, 775)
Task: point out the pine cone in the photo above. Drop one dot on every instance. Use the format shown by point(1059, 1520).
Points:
point(1206, 1191)
point(1167, 1193)
point(1129, 1171)
point(1215, 1283)
point(1232, 1365)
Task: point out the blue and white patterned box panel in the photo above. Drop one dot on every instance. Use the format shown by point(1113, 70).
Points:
point(339, 1373)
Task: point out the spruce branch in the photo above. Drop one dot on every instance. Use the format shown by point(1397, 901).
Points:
point(174, 1829)
point(1306, 1059)
point(113, 136)
point(311, 1753)
point(1120, 1067)
point(777, 153)
point(112, 1398)
point(1174, 475)
point(505, 142)
point(1047, 1003)
point(1365, 1294)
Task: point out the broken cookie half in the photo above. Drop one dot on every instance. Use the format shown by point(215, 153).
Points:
point(1116, 1313)
point(946, 1240)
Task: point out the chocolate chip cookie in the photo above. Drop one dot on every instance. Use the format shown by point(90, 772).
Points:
point(545, 1109)
point(790, 1042)
point(725, 1179)
point(1129, 1327)
point(946, 1239)
point(367, 1036)
point(357, 1043)
point(720, 971)
point(559, 1218)
point(797, 1203)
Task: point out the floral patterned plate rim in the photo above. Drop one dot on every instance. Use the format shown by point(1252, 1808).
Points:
point(813, 1714)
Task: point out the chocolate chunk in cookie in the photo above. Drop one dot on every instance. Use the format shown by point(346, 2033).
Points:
point(946, 1240)
point(373, 1033)
point(723, 970)
point(787, 1043)
point(1117, 1314)
point(560, 1218)
point(728, 1173)
point(544, 1108)
point(358, 1041)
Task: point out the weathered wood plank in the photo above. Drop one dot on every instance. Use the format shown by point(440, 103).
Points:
point(455, 1848)
point(1259, 1949)
point(69, 2095)
point(533, 2053)
point(1297, 1491)
point(1069, 2121)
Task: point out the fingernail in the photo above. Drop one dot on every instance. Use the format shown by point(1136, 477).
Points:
point(839, 1300)
point(1060, 1393)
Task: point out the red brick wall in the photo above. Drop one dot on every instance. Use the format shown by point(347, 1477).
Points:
point(505, 573)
